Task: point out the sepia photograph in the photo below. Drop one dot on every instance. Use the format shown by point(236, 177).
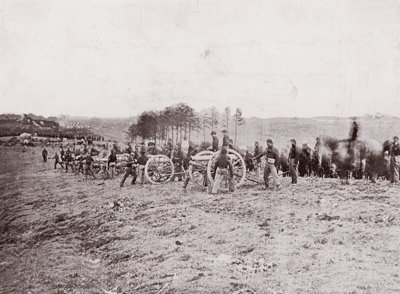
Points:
point(199, 146)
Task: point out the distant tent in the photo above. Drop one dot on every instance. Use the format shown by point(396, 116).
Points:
point(25, 135)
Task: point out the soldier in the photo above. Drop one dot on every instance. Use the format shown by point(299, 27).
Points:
point(186, 164)
point(130, 170)
point(215, 142)
point(62, 153)
point(225, 138)
point(293, 161)
point(88, 165)
point(248, 160)
point(57, 161)
point(142, 160)
point(112, 161)
point(305, 161)
point(151, 148)
point(170, 147)
point(68, 160)
point(394, 160)
point(177, 160)
point(223, 169)
point(257, 149)
point(44, 155)
point(80, 158)
point(272, 161)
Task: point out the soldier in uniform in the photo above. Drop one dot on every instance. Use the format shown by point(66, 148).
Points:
point(293, 161)
point(130, 170)
point(257, 149)
point(394, 160)
point(177, 160)
point(223, 169)
point(57, 161)
point(112, 161)
point(225, 138)
point(88, 165)
point(68, 160)
point(142, 160)
point(44, 155)
point(151, 148)
point(272, 162)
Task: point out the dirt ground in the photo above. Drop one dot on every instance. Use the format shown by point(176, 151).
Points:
point(60, 233)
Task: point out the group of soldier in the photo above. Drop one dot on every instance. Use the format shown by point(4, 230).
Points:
point(78, 161)
point(290, 164)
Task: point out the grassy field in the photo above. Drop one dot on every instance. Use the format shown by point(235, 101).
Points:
point(60, 233)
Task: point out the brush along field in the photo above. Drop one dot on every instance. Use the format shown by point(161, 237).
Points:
point(60, 233)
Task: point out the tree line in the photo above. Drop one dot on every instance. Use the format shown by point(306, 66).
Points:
point(178, 122)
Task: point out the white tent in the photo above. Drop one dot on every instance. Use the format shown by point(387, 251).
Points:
point(25, 135)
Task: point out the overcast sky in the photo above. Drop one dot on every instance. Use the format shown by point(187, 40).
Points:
point(270, 58)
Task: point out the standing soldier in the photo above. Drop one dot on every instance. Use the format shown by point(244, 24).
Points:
point(177, 160)
point(394, 160)
point(170, 147)
point(80, 158)
point(257, 149)
point(215, 142)
point(68, 160)
point(293, 161)
point(57, 161)
point(112, 161)
point(130, 170)
point(62, 153)
point(44, 154)
point(272, 162)
point(223, 169)
point(225, 138)
point(142, 160)
point(152, 150)
point(88, 165)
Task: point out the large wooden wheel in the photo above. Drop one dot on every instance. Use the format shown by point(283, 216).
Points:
point(198, 167)
point(239, 168)
point(159, 169)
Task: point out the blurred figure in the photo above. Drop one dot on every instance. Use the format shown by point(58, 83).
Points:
point(151, 150)
point(394, 160)
point(215, 142)
point(68, 160)
point(225, 138)
point(293, 161)
point(62, 153)
point(305, 161)
point(354, 130)
point(44, 155)
point(248, 159)
point(353, 136)
point(257, 150)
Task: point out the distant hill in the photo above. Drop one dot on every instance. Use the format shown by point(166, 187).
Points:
point(280, 129)
point(110, 128)
point(305, 130)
